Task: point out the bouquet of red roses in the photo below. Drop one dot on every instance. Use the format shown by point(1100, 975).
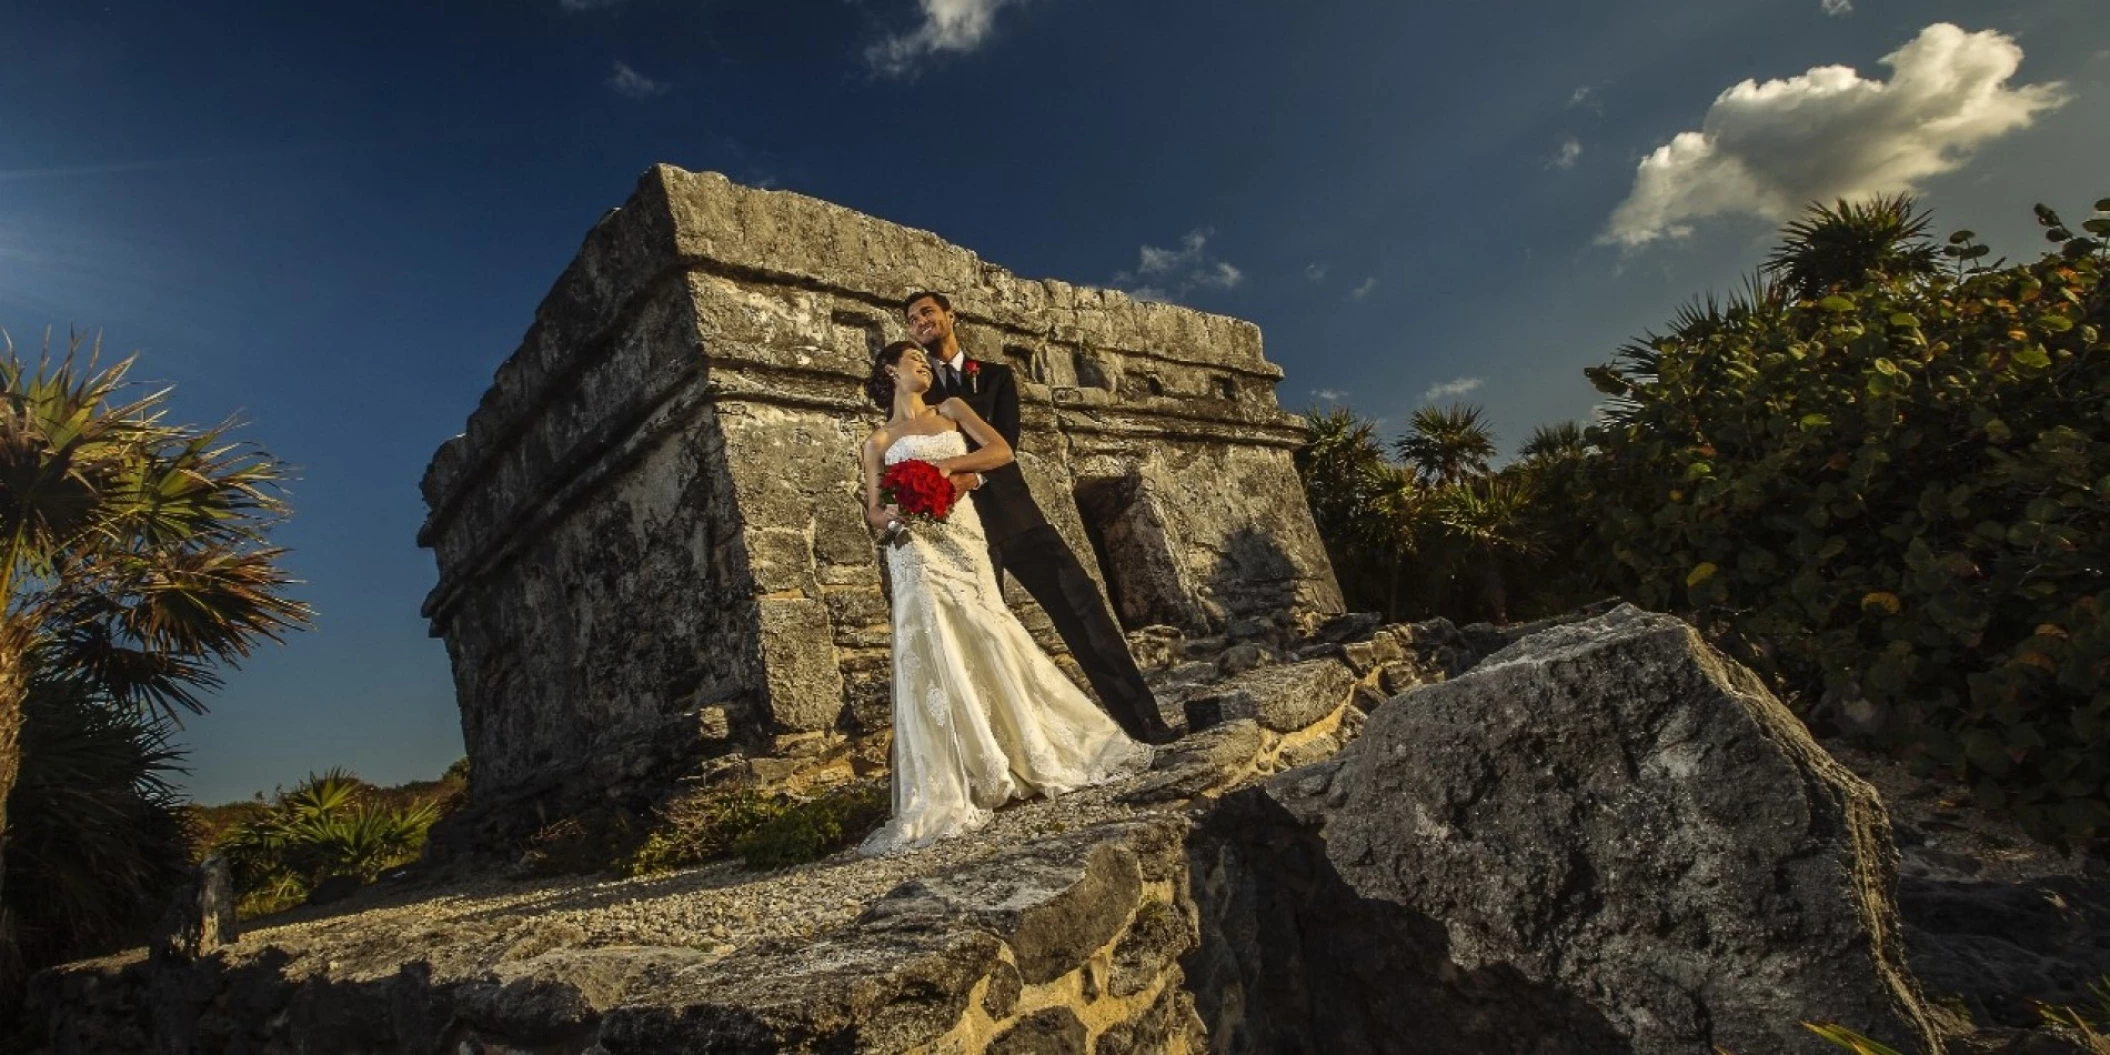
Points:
point(920, 490)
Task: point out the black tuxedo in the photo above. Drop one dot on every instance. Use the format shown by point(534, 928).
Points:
point(1023, 544)
point(1003, 501)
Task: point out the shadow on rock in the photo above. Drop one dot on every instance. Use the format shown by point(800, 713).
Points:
point(1293, 959)
point(2002, 948)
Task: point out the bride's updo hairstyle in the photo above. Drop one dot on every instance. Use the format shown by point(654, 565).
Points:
point(879, 386)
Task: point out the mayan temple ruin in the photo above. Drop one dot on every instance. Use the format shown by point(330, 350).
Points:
point(650, 541)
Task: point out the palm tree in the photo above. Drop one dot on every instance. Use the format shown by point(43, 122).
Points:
point(1562, 441)
point(1841, 245)
point(1338, 465)
point(132, 555)
point(1489, 518)
point(1447, 445)
point(97, 826)
point(1395, 525)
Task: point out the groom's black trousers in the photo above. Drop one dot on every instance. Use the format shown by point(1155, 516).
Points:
point(1047, 568)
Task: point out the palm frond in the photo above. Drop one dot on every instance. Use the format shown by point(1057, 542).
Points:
point(1447, 444)
point(1841, 245)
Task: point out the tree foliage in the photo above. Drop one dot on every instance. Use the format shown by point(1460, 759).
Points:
point(1437, 531)
point(1840, 246)
point(1890, 492)
point(1882, 481)
point(99, 836)
point(133, 567)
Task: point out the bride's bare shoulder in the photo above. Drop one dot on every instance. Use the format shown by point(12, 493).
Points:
point(877, 441)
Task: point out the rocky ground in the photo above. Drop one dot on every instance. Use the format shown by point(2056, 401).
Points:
point(1992, 921)
point(714, 909)
point(1996, 923)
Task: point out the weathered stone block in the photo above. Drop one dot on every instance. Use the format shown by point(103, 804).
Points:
point(1049, 1031)
point(1285, 697)
point(1156, 940)
point(1057, 902)
point(200, 915)
point(805, 684)
point(1204, 762)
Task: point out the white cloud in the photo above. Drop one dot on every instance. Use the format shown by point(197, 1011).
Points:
point(1315, 272)
point(1769, 149)
point(1328, 395)
point(948, 25)
point(1363, 290)
point(1570, 151)
point(1166, 274)
point(1452, 388)
point(631, 84)
point(1835, 8)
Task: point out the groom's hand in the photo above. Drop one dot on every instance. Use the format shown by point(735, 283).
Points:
point(962, 483)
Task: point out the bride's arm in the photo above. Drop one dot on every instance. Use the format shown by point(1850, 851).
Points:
point(875, 514)
point(994, 452)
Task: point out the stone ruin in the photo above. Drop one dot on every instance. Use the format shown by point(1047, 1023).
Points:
point(650, 541)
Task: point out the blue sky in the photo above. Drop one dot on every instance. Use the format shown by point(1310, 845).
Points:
point(335, 220)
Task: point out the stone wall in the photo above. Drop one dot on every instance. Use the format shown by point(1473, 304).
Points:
point(650, 540)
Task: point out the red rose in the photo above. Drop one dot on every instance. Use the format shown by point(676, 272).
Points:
point(921, 489)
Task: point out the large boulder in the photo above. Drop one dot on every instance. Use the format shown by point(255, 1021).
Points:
point(1606, 837)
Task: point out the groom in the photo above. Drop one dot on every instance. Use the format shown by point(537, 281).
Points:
point(1021, 541)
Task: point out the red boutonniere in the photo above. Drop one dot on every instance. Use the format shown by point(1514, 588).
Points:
point(973, 371)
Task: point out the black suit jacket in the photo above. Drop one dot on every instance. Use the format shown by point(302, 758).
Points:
point(1003, 501)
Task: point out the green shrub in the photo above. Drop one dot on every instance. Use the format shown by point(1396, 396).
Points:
point(1896, 493)
point(591, 840)
point(812, 830)
point(329, 825)
point(700, 828)
point(764, 831)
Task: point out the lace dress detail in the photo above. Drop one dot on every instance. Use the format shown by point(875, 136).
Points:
point(981, 715)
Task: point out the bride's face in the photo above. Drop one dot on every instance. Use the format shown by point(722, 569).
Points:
point(912, 373)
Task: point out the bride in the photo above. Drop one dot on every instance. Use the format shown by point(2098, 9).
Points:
point(981, 715)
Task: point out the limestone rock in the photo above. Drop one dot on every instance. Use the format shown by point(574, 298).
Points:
point(1605, 838)
point(984, 955)
point(1204, 762)
point(1284, 697)
point(200, 916)
point(876, 991)
point(1049, 1031)
point(1055, 903)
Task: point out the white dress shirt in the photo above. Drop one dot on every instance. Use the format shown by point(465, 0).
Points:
point(958, 362)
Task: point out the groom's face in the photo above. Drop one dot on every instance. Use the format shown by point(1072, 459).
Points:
point(929, 324)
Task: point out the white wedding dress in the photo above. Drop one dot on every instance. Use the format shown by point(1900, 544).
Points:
point(981, 715)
